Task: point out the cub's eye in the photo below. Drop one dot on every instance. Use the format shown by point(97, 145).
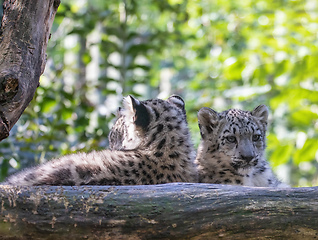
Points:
point(256, 137)
point(231, 139)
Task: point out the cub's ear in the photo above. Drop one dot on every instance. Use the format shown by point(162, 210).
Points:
point(261, 112)
point(177, 101)
point(119, 112)
point(208, 119)
point(137, 112)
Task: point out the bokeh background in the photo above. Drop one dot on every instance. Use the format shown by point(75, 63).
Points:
point(218, 54)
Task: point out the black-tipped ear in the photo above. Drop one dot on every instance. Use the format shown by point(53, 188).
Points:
point(177, 101)
point(208, 119)
point(119, 112)
point(141, 117)
point(261, 112)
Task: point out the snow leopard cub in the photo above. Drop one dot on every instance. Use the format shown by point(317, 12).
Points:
point(232, 148)
point(151, 145)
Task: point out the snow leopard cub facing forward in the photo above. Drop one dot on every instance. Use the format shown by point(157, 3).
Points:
point(232, 148)
point(151, 145)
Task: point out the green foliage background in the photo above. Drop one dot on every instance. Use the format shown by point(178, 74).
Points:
point(218, 54)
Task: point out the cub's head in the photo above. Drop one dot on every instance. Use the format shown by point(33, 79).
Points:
point(234, 136)
point(146, 123)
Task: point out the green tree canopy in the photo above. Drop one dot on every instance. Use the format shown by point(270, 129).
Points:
point(218, 54)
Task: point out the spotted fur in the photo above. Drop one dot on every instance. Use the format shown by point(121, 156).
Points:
point(232, 148)
point(150, 144)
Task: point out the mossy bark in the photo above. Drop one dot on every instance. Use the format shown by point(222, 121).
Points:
point(24, 34)
point(170, 211)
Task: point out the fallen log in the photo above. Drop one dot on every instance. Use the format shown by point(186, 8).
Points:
point(169, 211)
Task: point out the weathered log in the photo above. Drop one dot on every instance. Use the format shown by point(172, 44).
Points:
point(24, 35)
point(169, 211)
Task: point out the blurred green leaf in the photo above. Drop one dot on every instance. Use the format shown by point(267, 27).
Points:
point(281, 155)
point(307, 152)
point(304, 117)
point(48, 104)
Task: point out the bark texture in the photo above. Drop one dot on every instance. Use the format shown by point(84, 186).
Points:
point(24, 34)
point(169, 211)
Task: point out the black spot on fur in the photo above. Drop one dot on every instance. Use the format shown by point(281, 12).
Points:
point(159, 128)
point(172, 167)
point(83, 173)
point(126, 173)
point(112, 170)
point(159, 176)
point(153, 138)
point(158, 154)
point(174, 155)
point(68, 183)
point(138, 155)
point(180, 142)
point(262, 169)
point(135, 172)
point(106, 181)
point(211, 150)
point(170, 127)
point(157, 114)
point(169, 178)
point(118, 169)
point(161, 144)
point(92, 182)
point(29, 177)
point(130, 182)
point(164, 167)
point(228, 181)
point(237, 181)
point(122, 162)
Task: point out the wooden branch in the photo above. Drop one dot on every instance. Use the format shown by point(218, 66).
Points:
point(24, 35)
point(169, 211)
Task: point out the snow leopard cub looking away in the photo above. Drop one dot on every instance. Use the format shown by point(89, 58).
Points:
point(232, 148)
point(156, 147)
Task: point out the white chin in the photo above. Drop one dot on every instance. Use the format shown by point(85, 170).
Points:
point(244, 170)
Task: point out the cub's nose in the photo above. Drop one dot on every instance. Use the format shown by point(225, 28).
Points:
point(247, 158)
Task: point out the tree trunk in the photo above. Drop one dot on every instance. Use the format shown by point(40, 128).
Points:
point(24, 34)
point(169, 211)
